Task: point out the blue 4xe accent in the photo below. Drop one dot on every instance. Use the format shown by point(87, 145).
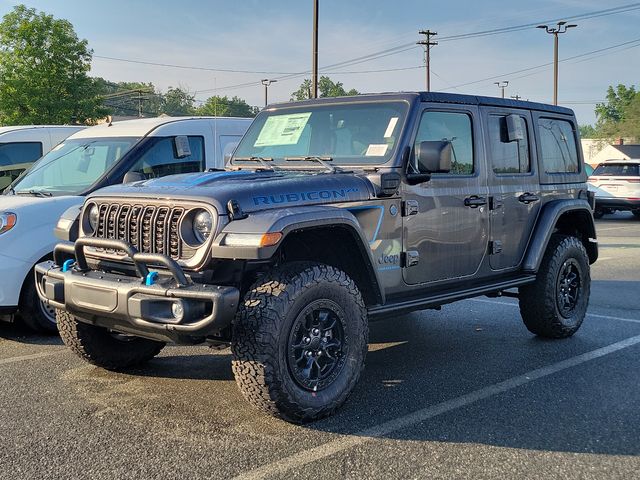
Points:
point(151, 278)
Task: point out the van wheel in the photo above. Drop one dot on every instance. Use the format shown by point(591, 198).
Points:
point(556, 304)
point(104, 348)
point(35, 314)
point(300, 341)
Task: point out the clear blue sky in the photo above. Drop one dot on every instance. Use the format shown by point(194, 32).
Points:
point(275, 36)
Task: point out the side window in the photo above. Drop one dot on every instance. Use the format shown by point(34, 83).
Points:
point(453, 127)
point(17, 153)
point(508, 158)
point(558, 144)
point(161, 159)
point(15, 158)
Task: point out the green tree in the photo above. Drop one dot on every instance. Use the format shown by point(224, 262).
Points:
point(43, 71)
point(177, 101)
point(326, 88)
point(226, 107)
point(588, 131)
point(130, 99)
point(620, 115)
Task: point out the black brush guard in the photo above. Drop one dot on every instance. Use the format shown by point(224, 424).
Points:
point(162, 304)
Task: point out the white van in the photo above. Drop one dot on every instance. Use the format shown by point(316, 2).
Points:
point(20, 146)
point(90, 159)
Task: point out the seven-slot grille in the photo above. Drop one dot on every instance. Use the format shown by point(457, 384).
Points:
point(149, 228)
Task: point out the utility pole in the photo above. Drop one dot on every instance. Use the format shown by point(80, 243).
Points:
point(266, 82)
point(314, 79)
point(560, 27)
point(502, 85)
point(427, 53)
point(139, 103)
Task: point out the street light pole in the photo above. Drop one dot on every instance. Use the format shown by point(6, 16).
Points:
point(502, 85)
point(266, 82)
point(314, 79)
point(560, 27)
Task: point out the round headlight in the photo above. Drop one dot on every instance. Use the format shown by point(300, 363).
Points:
point(94, 217)
point(202, 225)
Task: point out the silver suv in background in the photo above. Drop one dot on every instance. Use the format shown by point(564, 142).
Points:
point(616, 184)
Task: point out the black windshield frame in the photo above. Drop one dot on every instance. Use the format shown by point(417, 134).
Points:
point(329, 111)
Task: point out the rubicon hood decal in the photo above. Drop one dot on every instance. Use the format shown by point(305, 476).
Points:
point(253, 190)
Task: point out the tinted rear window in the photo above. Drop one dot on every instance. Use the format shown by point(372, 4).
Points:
point(558, 143)
point(618, 170)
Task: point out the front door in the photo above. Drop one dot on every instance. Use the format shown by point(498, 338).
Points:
point(513, 185)
point(445, 219)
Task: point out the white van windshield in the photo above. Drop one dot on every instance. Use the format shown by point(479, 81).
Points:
point(73, 166)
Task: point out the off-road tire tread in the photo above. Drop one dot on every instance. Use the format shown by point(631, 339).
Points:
point(537, 301)
point(255, 346)
point(95, 345)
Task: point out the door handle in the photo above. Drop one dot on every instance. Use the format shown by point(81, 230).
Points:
point(474, 201)
point(528, 198)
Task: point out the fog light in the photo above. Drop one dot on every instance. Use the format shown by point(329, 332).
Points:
point(177, 310)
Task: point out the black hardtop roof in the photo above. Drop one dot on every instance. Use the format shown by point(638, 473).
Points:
point(438, 97)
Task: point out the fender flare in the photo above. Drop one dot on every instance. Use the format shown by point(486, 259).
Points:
point(291, 220)
point(545, 227)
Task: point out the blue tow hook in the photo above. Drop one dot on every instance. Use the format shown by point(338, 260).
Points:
point(67, 265)
point(151, 278)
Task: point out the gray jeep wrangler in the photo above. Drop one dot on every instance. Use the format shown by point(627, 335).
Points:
point(332, 213)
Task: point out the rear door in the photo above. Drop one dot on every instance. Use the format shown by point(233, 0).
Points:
point(513, 185)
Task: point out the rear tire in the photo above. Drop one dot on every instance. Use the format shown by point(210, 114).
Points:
point(34, 313)
point(556, 304)
point(104, 348)
point(300, 341)
point(636, 213)
point(598, 213)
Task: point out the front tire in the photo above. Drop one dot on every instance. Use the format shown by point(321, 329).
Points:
point(299, 341)
point(556, 304)
point(35, 314)
point(636, 213)
point(598, 213)
point(103, 348)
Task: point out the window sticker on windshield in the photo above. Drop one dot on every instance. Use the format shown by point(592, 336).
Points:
point(392, 125)
point(282, 130)
point(377, 150)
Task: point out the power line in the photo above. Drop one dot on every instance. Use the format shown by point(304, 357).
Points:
point(386, 52)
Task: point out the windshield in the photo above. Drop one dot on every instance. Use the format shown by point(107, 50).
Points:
point(348, 133)
point(74, 165)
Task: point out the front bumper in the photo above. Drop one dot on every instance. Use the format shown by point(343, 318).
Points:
point(145, 305)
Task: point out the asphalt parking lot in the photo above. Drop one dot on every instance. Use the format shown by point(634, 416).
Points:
point(465, 392)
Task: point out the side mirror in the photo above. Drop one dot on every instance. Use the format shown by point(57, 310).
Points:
point(515, 128)
point(131, 177)
point(229, 148)
point(434, 157)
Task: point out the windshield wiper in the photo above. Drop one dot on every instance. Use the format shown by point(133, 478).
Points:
point(315, 158)
point(35, 193)
point(261, 160)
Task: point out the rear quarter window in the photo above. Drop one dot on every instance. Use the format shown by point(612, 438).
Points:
point(558, 146)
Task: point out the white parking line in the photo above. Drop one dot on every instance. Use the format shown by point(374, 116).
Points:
point(412, 419)
point(33, 356)
point(594, 315)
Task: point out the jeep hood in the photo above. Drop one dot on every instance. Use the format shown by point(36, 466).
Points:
point(253, 190)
